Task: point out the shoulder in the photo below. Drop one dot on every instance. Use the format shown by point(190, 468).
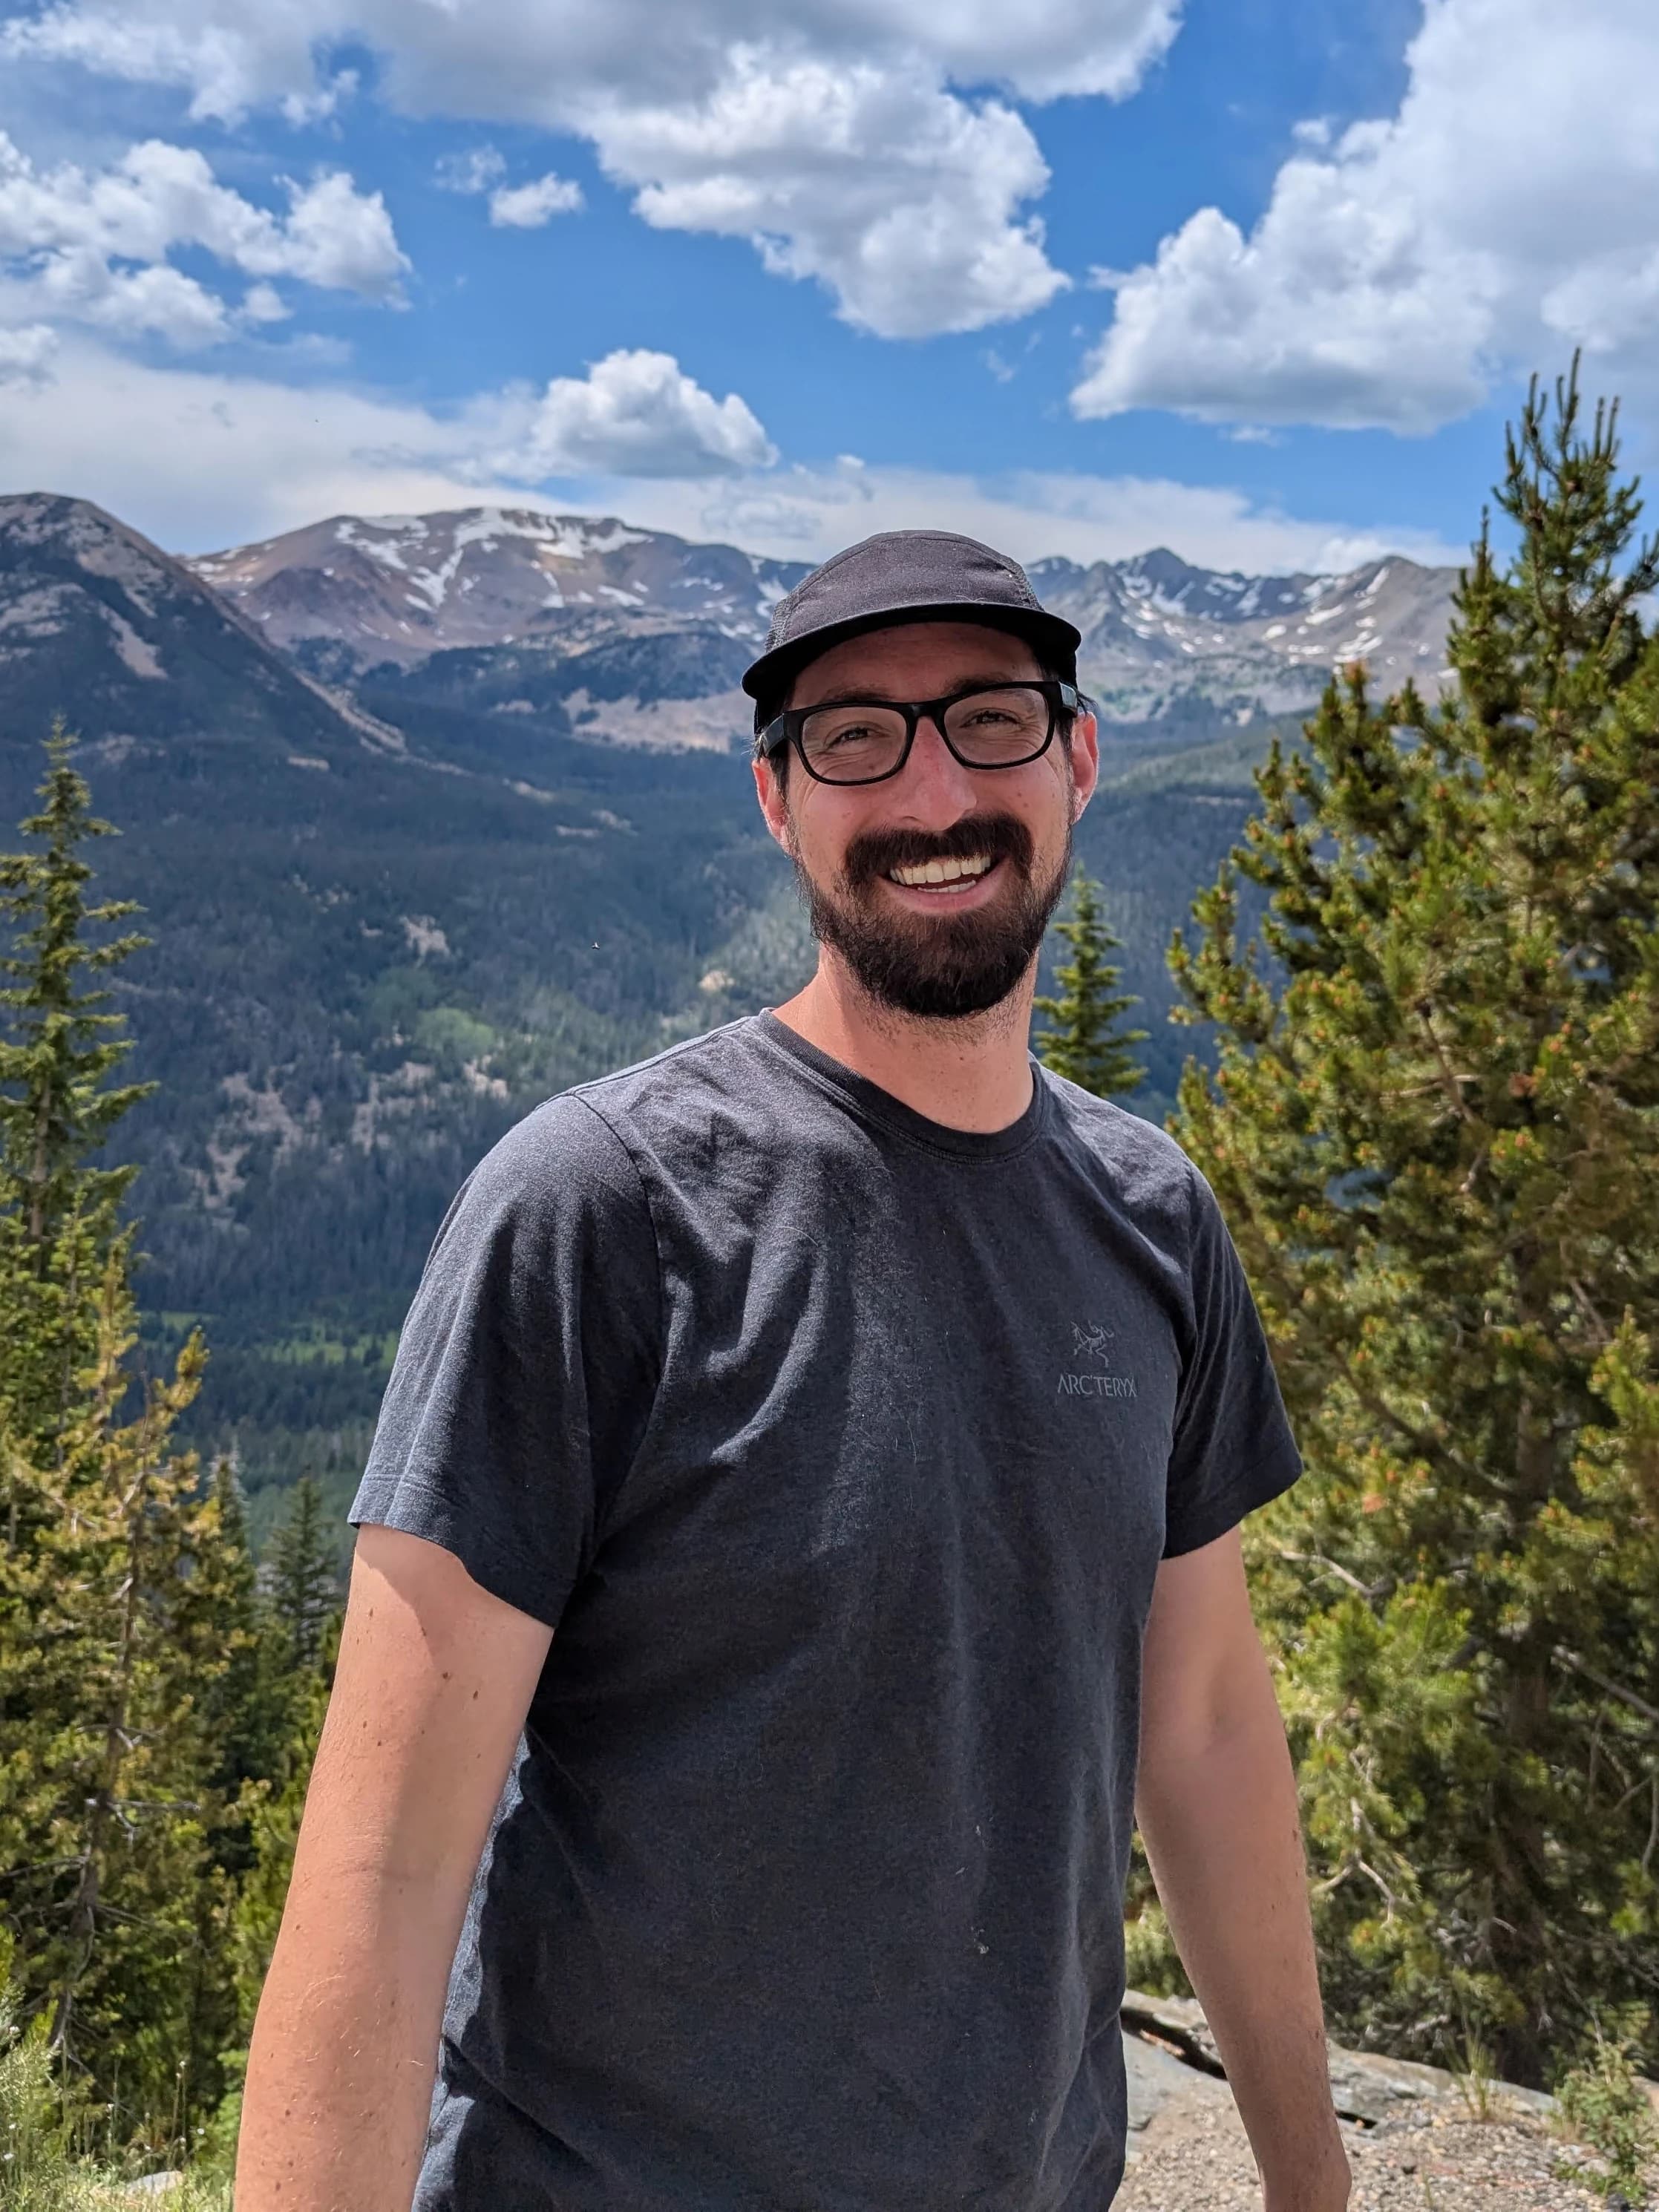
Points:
point(1145, 1169)
point(724, 1064)
point(580, 1153)
point(556, 1192)
point(562, 1154)
point(710, 1099)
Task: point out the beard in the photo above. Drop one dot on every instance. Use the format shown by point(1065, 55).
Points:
point(947, 967)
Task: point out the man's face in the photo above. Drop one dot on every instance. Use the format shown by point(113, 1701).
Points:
point(939, 951)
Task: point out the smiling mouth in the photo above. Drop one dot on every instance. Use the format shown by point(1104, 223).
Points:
point(943, 875)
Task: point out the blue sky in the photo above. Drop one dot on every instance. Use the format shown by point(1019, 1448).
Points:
point(1257, 281)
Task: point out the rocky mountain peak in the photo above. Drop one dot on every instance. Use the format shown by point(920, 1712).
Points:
point(98, 623)
point(394, 588)
point(1161, 634)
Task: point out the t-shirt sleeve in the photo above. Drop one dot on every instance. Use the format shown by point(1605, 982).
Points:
point(1232, 1448)
point(528, 1364)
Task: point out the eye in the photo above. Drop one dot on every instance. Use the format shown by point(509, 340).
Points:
point(850, 729)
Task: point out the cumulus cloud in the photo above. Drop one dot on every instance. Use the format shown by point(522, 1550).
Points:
point(1506, 213)
point(855, 143)
point(527, 207)
point(94, 245)
point(635, 414)
point(336, 237)
point(79, 284)
point(900, 196)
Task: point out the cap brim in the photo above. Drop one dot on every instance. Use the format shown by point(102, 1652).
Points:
point(1051, 634)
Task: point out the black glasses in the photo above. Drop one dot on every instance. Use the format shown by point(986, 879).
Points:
point(866, 740)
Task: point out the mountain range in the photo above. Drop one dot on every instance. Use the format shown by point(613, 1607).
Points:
point(432, 816)
point(519, 594)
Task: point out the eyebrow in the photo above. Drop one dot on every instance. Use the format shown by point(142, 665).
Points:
point(889, 698)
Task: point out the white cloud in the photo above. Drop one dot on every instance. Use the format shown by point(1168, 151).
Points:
point(1506, 213)
point(635, 414)
point(79, 284)
point(512, 207)
point(900, 196)
point(853, 142)
point(520, 59)
point(69, 237)
point(25, 355)
point(336, 237)
point(474, 170)
point(263, 303)
point(188, 445)
point(805, 513)
point(527, 207)
point(199, 460)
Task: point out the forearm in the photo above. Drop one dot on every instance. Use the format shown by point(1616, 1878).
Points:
point(343, 2051)
point(1222, 1830)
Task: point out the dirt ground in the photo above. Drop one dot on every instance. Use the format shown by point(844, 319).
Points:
point(1193, 2156)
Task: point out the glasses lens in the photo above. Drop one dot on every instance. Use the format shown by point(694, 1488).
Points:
point(852, 744)
point(997, 729)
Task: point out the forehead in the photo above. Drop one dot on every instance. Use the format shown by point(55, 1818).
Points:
point(913, 660)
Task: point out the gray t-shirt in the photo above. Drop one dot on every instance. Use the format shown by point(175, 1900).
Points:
point(841, 1449)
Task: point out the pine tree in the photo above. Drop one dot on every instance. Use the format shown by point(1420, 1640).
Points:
point(302, 1619)
point(1084, 1043)
point(275, 1808)
point(300, 1576)
point(251, 1710)
point(57, 1104)
point(105, 1792)
point(1434, 1127)
point(59, 1047)
point(301, 1624)
point(251, 1704)
point(118, 1575)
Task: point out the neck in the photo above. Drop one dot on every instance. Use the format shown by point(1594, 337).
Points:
point(973, 1073)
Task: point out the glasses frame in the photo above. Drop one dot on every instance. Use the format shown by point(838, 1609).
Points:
point(789, 728)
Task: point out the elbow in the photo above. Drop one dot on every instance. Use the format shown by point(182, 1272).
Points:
point(1188, 1751)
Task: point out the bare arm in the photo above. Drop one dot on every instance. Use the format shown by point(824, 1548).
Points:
point(1217, 1807)
point(433, 1681)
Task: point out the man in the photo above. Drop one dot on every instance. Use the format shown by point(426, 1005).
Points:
point(826, 1443)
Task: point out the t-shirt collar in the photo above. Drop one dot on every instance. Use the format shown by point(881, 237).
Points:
point(871, 1103)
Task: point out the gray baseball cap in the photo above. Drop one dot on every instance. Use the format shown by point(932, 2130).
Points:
point(904, 576)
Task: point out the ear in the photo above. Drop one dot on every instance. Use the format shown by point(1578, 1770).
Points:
point(1085, 762)
point(774, 805)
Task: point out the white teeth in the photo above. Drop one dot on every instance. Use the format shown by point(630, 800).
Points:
point(942, 872)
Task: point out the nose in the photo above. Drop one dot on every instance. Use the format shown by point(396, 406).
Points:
point(933, 789)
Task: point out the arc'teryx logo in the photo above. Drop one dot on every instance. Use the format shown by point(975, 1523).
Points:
point(1093, 1340)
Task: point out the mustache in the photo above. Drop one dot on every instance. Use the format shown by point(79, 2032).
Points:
point(872, 853)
